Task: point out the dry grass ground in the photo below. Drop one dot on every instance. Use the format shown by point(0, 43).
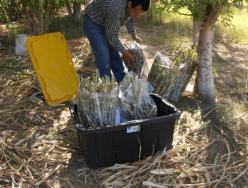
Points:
point(39, 146)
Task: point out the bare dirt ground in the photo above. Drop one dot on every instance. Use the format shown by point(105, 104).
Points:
point(50, 131)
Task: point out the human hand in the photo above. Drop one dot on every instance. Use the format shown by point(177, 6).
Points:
point(136, 38)
point(128, 57)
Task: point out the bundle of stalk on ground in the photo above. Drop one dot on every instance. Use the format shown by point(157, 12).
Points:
point(170, 77)
point(140, 64)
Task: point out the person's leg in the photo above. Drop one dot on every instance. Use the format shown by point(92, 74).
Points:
point(116, 64)
point(107, 57)
point(99, 45)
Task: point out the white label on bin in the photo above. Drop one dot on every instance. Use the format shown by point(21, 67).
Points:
point(133, 129)
point(119, 118)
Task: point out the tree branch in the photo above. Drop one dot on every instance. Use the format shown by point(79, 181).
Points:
point(214, 14)
point(183, 14)
point(4, 11)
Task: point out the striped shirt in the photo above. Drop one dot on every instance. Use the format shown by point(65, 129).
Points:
point(111, 14)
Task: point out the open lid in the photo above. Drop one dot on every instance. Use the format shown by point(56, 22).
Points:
point(54, 68)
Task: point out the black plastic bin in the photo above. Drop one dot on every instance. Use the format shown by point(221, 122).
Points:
point(106, 146)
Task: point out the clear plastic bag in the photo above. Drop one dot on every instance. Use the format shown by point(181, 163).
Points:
point(99, 100)
point(20, 44)
point(134, 99)
point(170, 78)
point(182, 80)
point(97, 109)
point(162, 75)
point(140, 65)
point(162, 59)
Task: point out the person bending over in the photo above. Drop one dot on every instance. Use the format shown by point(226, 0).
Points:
point(102, 22)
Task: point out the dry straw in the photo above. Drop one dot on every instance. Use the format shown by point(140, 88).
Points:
point(31, 160)
point(31, 153)
point(188, 164)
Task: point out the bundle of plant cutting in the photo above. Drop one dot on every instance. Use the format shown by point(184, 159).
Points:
point(169, 76)
point(139, 65)
point(97, 101)
point(189, 58)
point(134, 99)
point(162, 75)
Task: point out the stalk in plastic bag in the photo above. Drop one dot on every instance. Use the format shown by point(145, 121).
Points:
point(184, 78)
point(135, 101)
point(97, 101)
point(166, 75)
point(140, 65)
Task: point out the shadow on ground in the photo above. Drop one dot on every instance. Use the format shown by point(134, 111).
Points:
point(75, 173)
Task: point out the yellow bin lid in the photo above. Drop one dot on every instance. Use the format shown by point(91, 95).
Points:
point(54, 68)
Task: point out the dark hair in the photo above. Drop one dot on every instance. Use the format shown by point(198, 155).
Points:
point(143, 3)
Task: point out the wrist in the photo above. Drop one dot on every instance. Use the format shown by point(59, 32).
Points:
point(124, 52)
point(134, 36)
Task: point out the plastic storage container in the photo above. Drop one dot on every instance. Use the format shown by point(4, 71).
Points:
point(20, 44)
point(102, 146)
point(129, 141)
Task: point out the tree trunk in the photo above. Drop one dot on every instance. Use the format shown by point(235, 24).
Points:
point(160, 17)
point(40, 17)
point(152, 14)
point(205, 76)
point(196, 32)
point(32, 21)
point(144, 16)
point(154, 3)
point(77, 10)
point(48, 16)
point(241, 5)
point(68, 6)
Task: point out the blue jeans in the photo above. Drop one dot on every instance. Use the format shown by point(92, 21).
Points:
point(107, 58)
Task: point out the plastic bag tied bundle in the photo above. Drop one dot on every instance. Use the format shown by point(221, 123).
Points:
point(186, 72)
point(97, 101)
point(139, 65)
point(170, 78)
point(162, 75)
point(134, 98)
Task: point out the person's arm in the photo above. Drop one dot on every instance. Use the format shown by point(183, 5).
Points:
point(131, 30)
point(131, 26)
point(112, 26)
